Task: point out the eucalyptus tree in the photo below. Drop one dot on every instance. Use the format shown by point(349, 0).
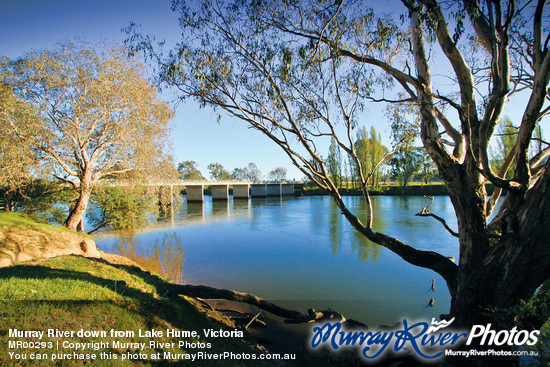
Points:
point(218, 172)
point(303, 72)
point(253, 173)
point(427, 167)
point(188, 171)
point(404, 165)
point(249, 173)
point(239, 174)
point(100, 117)
point(19, 123)
point(278, 174)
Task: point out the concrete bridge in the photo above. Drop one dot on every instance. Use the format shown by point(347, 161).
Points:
point(220, 189)
point(241, 189)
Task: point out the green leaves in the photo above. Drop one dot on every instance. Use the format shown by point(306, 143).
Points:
point(20, 126)
point(123, 208)
point(188, 171)
point(218, 172)
point(98, 115)
point(335, 164)
point(286, 69)
point(96, 106)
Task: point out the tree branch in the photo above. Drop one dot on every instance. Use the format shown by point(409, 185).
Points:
point(426, 213)
point(460, 66)
point(429, 129)
point(498, 190)
point(426, 259)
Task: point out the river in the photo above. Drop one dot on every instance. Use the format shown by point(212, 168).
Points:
point(301, 253)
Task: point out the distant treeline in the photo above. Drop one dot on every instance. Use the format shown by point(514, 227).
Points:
point(430, 189)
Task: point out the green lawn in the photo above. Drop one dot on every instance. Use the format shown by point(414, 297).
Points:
point(70, 293)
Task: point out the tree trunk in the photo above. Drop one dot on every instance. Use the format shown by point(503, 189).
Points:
point(76, 216)
point(75, 220)
point(514, 265)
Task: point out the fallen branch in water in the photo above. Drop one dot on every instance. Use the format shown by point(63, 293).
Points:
point(202, 292)
point(255, 318)
point(290, 316)
point(313, 315)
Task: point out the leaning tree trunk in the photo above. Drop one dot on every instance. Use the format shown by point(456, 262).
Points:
point(76, 216)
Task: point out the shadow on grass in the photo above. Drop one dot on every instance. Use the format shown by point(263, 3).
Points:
point(154, 311)
point(150, 305)
point(44, 272)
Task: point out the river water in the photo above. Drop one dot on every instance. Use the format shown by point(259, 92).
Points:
point(301, 253)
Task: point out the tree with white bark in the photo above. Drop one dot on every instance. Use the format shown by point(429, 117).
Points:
point(100, 116)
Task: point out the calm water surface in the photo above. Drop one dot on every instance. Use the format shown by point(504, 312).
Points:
point(302, 253)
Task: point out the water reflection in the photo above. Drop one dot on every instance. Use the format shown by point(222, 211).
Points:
point(318, 213)
point(365, 249)
point(165, 258)
point(335, 229)
point(301, 251)
point(220, 208)
point(194, 211)
point(241, 204)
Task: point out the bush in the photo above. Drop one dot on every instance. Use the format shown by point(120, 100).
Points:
point(121, 208)
point(42, 199)
point(531, 314)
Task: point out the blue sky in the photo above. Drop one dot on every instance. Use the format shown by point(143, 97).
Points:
point(37, 24)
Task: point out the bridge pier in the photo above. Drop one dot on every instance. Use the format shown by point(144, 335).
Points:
point(287, 189)
point(220, 192)
point(241, 191)
point(195, 210)
point(220, 208)
point(273, 189)
point(258, 190)
point(195, 193)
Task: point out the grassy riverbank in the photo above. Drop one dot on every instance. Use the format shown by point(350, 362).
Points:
point(430, 189)
point(73, 293)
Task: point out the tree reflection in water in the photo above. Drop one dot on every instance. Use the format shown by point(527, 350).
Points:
point(365, 249)
point(165, 259)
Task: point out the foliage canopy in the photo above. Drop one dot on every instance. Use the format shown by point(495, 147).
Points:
point(100, 117)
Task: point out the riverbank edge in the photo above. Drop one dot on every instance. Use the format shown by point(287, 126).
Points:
point(23, 282)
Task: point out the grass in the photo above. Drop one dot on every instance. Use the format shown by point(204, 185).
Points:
point(24, 221)
point(72, 293)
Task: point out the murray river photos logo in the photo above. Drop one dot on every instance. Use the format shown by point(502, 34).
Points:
point(427, 341)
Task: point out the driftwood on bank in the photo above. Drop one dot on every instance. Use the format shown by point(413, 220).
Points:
point(290, 316)
point(255, 318)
